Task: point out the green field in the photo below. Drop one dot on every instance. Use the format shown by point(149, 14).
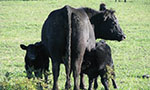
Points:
point(21, 22)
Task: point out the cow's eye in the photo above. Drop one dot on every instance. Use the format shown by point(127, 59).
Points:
point(113, 23)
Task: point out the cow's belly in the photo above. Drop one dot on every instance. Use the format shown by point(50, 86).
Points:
point(56, 45)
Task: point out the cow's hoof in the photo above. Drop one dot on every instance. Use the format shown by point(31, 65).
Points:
point(67, 87)
point(95, 86)
point(55, 88)
point(83, 88)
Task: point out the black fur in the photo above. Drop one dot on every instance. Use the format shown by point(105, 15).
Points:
point(97, 63)
point(68, 32)
point(36, 60)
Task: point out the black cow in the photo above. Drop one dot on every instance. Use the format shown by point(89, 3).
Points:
point(105, 24)
point(99, 62)
point(68, 32)
point(119, 0)
point(36, 60)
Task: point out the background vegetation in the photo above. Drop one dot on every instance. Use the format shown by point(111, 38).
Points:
point(21, 22)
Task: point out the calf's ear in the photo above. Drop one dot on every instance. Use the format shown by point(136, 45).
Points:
point(22, 46)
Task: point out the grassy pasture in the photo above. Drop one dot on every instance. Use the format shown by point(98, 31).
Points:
point(21, 22)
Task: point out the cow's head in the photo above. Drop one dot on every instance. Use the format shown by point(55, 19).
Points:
point(106, 26)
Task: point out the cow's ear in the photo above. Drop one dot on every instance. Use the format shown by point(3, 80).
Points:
point(102, 7)
point(22, 46)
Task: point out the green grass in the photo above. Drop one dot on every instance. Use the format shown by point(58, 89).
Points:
point(21, 22)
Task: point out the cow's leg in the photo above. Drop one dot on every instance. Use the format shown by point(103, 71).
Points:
point(76, 72)
point(90, 83)
point(95, 83)
point(68, 73)
point(78, 49)
point(82, 86)
point(55, 69)
point(79, 38)
point(76, 66)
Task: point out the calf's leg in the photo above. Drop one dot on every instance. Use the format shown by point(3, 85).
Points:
point(38, 73)
point(28, 71)
point(46, 75)
point(113, 78)
point(104, 81)
point(90, 84)
point(114, 83)
point(46, 72)
point(29, 74)
point(95, 83)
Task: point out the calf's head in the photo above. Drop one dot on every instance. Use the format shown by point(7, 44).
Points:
point(31, 51)
point(106, 26)
point(30, 57)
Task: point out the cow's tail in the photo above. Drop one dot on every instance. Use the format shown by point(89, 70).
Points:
point(68, 40)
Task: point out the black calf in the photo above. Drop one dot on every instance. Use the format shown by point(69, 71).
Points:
point(36, 60)
point(98, 62)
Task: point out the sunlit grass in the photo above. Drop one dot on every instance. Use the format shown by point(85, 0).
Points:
point(21, 22)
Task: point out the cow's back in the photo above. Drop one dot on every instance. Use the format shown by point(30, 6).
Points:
point(57, 25)
point(54, 31)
